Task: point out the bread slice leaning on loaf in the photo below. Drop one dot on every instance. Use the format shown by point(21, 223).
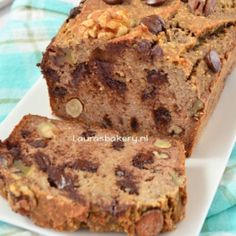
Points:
point(58, 175)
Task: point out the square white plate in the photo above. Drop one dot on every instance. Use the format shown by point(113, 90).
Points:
point(204, 168)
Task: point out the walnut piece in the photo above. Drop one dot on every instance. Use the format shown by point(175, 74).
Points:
point(20, 166)
point(20, 190)
point(161, 143)
point(175, 130)
point(106, 24)
point(21, 198)
point(160, 155)
point(46, 129)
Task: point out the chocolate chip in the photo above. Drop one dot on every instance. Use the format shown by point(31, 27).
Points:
point(118, 145)
point(14, 149)
point(79, 73)
point(2, 177)
point(58, 179)
point(209, 7)
point(39, 143)
point(142, 159)
point(116, 209)
point(213, 61)
point(88, 134)
point(155, 2)
point(196, 6)
point(25, 133)
point(10, 145)
point(154, 23)
point(128, 186)
point(144, 47)
point(162, 116)
point(134, 124)
point(42, 160)
point(149, 93)
point(157, 52)
point(51, 74)
point(59, 91)
point(199, 7)
point(74, 12)
point(150, 224)
point(74, 195)
point(122, 172)
point(112, 49)
point(104, 69)
point(85, 165)
point(106, 123)
point(149, 179)
point(119, 173)
point(113, 2)
point(116, 84)
point(15, 152)
point(68, 181)
point(157, 77)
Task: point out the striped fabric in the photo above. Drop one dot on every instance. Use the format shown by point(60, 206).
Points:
point(222, 214)
point(31, 26)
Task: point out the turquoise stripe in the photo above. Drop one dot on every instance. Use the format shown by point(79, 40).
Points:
point(225, 221)
point(221, 196)
point(2, 118)
point(219, 233)
point(25, 63)
point(9, 230)
point(226, 195)
point(6, 108)
point(49, 5)
point(12, 93)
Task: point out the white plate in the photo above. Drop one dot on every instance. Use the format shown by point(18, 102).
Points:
point(204, 169)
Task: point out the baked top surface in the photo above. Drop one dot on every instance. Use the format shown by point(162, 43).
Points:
point(173, 12)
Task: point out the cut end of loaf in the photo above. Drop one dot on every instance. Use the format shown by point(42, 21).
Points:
point(162, 75)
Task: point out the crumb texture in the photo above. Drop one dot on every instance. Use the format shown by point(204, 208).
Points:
point(49, 176)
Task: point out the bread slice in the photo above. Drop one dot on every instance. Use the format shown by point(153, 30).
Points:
point(61, 176)
point(142, 69)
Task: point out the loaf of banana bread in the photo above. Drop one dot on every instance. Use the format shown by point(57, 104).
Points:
point(151, 66)
point(142, 66)
point(68, 176)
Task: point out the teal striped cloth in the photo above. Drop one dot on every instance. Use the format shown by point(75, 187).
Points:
point(30, 28)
